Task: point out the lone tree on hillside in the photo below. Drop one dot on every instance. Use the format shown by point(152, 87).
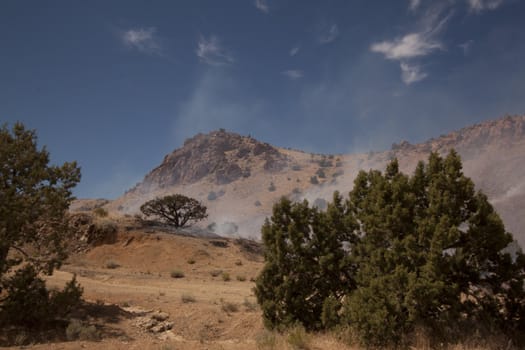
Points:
point(34, 198)
point(176, 210)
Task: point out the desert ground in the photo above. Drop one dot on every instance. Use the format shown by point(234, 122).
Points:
point(209, 304)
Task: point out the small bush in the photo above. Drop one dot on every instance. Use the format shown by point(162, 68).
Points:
point(29, 304)
point(296, 167)
point(226, 277)
point(187, 298)
point(313, 180)
point(112, 265)
point(320, 173)
point(78, 330)
point(272, 187)
point(100, 212)
point(257, 203)
point(249, 306)
point(191, 261)
point(238, 262)
point(241, 278)
point(212, 196)
point(177, 274)
point(67, 300)
point(229, 307)
point(215, 273)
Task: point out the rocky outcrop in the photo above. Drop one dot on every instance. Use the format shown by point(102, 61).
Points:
point(221, 156)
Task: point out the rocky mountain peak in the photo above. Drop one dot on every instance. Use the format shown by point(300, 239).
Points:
point(219, 156)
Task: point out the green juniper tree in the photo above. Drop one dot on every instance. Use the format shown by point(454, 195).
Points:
point(403, 252)
point(34, 198)
point(306, 264)
point(431, 254)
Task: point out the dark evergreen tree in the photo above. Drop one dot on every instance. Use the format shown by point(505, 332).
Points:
point(34, 229)
point(402, 252)
point(306, 263)
point(431, 254)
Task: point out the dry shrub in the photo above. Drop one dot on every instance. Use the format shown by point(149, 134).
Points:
point(177, 274)
point(229, 307)
point(187, 298)
point(78, 330)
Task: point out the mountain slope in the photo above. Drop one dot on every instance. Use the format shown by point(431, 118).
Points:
point(239, 178)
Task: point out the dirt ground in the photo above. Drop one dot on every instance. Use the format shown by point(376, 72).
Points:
point(153, 290)
point(211, 306)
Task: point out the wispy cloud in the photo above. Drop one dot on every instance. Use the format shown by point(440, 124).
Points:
point(409, 46)
point(210, 51)
point(143, 40)
point(481, 5)
point(411, 73)
point(414, 5)
point(293, 74)
point(262, 5)
point(294, 50)
point(416, 45)
point(327, 33)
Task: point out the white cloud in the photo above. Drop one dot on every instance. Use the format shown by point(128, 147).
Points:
point(143, 40)
point(328, 33)
point(414, 5)
point(294, 50)
point(293, 74)
point(411, 73)
point(415, 45)
point(211, 52)
point(262, 5)
point(480, 5)
point(409, 46)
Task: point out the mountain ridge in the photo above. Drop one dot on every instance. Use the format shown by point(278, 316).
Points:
point(239, 178)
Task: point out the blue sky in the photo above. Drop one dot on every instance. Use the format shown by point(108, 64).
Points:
point(116, 85)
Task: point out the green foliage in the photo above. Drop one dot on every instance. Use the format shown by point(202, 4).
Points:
point(176, 210)
point(29, 304)
point(402, 253)
point(306, 262)
point(330, 313)
point(34, 198)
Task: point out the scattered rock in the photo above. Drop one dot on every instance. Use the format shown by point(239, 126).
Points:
point(153, 322)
